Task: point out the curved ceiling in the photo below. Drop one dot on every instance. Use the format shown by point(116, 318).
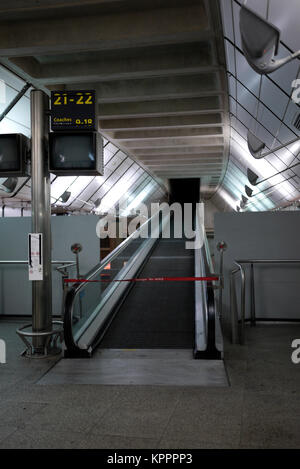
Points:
point(262, 104)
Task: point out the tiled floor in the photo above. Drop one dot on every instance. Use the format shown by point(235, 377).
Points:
point(261, 408)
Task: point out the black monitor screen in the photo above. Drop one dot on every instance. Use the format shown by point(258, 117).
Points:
point(9, 153)
point(68, 152)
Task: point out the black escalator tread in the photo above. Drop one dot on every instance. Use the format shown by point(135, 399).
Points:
point(158, 314)
point(172, 247)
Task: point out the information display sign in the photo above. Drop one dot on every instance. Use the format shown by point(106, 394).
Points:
point(73, 110)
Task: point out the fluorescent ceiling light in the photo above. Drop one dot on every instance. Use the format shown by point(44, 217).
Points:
point(139, 199)
point(256, 146)
point(228, 199)
point(253, 177)
point(114, 194)
point(8, 185)
point(249, 191)
point(60, 185)
point(262, 166)
point(65, 197)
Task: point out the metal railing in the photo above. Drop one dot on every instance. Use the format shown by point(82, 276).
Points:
point(109, 258)
point(238, 321)
point(62, 269)
point(57, 331)
point(64, 263)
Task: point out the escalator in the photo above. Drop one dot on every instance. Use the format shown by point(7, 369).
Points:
point(158, 314)
point(110, 313)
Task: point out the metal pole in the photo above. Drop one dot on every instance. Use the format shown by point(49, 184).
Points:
point(221, 246)
point(243, 305)
point(253, 315)
point(221, 285)
point(77, 265)
point(76, 249)
point(64, 292)
point(41, 216)
point(233, 308)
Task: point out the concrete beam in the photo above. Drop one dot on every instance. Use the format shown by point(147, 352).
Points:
point(185, 155)
point(28, 9)
point(158, 123)
point(176, 150)
point(154, 88)
point(128, 135)
point(103, 32)
point(159, 108)
point(124, 64)
point(31, 8)
point(172, 142)
point(155, 169)
point(179, 159)
point(183, 166)
point(184, 174)
point(190, 173)
point(81, 72)
point(187, 173)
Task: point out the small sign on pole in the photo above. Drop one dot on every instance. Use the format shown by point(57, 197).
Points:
point(73, 110)
point(35, 256)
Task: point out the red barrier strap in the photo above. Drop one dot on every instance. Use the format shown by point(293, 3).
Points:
point(147, 279)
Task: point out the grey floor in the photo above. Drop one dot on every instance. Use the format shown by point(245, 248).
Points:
point(161, 367)
point(261, 408)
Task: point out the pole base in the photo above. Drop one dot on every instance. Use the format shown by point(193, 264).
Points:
point(50, 352)
point(49, 348)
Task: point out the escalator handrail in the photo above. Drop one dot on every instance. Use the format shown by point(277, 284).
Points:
point(211, 305)
point(77, 287)
point(208, 299)
point(111, 256)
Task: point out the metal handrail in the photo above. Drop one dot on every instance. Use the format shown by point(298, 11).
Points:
point(65, 266)
point(243, 301)
point(234, 313)
point(233, 309)
point(201, 310)
point(70, 263)
point(211, 311)
point(209, 308)
point(208, 254)
point(110, 257)
point(62, 269)
point(267, 261)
